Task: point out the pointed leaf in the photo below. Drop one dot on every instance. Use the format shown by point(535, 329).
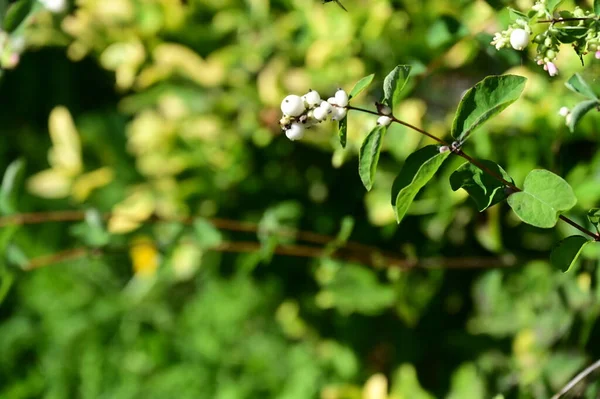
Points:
point(552, 4)
point(483, 188)
point(368, 156)
point(516, 14)
point(486, 99)
point(593, 216)
point(579, 112)
point(417, 170)
point(544, 197)
point(343, 131)
point(16, 14)
point(361, 85)
point(578, 84)
point(566, 252)
point(394, 83)
point(11, 184)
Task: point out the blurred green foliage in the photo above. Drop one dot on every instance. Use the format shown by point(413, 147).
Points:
point(165, 114)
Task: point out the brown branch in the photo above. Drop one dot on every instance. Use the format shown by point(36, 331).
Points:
point(373, 259)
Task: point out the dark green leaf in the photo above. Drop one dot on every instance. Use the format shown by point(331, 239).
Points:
point(16, 14)
point(393, 84)
point(569, 34)
point(11, 183)
point(566, 252)
point(343, 131)
point(207, 235)
point(486, 99)
point(417, 170)
point(361, 85)
point(6, 280)
point(578, 84)
point(593, 216)
point(579, 112)
point(544, 197)
point(483, 188)
point(368, 156)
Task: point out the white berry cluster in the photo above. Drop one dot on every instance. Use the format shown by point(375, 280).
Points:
point(565, 113)
point(518, 35)
point(301, 113)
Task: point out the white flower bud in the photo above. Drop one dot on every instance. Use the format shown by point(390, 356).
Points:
point(564, 111)
point(320, 113)
point(341, 98)
point(292, 105)
point(326, 106)
point(444, 148)
point(332, 101)
point(312, 98)
point(295, 132)
point(519, 39)
point(384, 120)
point(338, 114)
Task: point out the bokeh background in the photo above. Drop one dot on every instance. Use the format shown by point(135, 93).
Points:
point(182, 247)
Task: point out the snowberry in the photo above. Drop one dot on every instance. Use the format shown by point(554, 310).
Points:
point(292, 105)
point(295, 131)
point(326, 106)
point(384, 120)
point(338, 114)
point(564, 111)
point(320, 113)
point(312, 98)
point(519, 39)
point(341, 98)
point(444, 148)
point(332, 101)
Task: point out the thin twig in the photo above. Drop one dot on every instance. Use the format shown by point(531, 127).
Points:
point(577, 379)
point(558, 20)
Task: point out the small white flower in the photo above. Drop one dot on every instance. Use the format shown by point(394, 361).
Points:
point(341, 97)
point(384, 120)
point(564, 111)
point(55, 6)
point(338, 114)
point(292, 105)
point(320, 113)
point(312, 98)
point(519, 39)
point(326, 106)
point(551, 68)
point(295, 131)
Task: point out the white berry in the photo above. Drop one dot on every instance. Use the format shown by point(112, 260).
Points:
point(332, 101)
point(312, 98)
point(519, 39)
point(320, 113)
point(295, 131)
point(338, 114)
point(564, 111)
point(326, 106)
point(292, 105)
point(341, 98)
point(384, 120)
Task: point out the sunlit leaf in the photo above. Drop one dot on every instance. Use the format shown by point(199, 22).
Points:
point(207, 235)
point(578, 84)
point(485, 100)
point(483, 188)
point(361, 85)
point(544, 197)
point(417, 170)
point(368, 156)
point(11, 184)
point(565, 253)
point(394, 83)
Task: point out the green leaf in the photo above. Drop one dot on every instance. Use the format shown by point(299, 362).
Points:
point(343, 131)
point(566, 252)
point(361, 85)
point(16, 14)
point(516, 14)
point(342, 236)
point(569, 34)
point(544, 197)
point(486, 99)
point(11, 183)
point(418, 169)
point(483, 188)
point(368, 157)
point(597, 7)
point(579, 112)
point(593, 216)
point(393, 84)
point(552, 4)
point(445, 31)
point(6, 281)
point(207, 235)
point(578, 84)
